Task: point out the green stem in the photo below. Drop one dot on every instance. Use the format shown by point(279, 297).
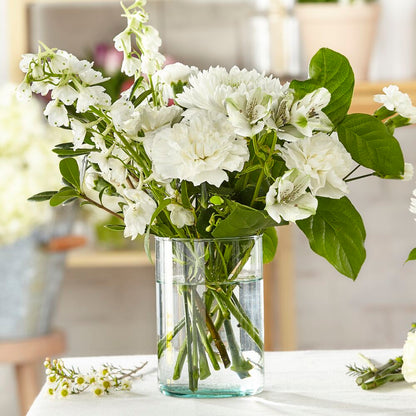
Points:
point(188, 323)
point(161, 345)
point(360, 177)
point(242, 320)
point(257, 189)
point(180, 361)
point(195, 349)
point(379, 381)
point(206, 342)
point(239, 364)
point(215, 335)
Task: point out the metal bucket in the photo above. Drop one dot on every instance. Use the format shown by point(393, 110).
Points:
point(30, 280)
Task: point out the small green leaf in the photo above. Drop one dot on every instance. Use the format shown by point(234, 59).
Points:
point(115, 227)
point(141, 97)
point(336, 232)
point(71, 153)
point(331, 70)
point(371, 144)
point(65, 194)
point(269, 244)
point(216, 200)
point(70, 171)
point(42, 196)
point(243, 221)
point(412, 255)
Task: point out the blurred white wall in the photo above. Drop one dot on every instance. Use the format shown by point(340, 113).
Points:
point(394, 55)
point(3, 42)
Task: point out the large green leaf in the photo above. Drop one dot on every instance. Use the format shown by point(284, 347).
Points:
point(336, 232)
point(243, 221)
point(269, 244)
point(371, 144)
point(70, 171)
point(331, 70)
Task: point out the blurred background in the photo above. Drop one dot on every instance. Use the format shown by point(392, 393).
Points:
point(103, 294)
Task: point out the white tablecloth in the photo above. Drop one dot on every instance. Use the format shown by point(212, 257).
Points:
point(304, 383)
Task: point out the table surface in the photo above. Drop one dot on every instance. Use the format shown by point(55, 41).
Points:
point(304, 383)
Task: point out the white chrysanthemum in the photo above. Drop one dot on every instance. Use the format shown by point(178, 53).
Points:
point(395, 100)
point(138, 212)
point(209, 89)
point(198, 150)
point(150, 119)
point(180, 216)
point(288, 199)
point(307, 115)
point(409, 358)
point(324, 159)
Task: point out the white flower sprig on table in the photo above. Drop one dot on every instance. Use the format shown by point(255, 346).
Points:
point(62, 381)
point(402, 368)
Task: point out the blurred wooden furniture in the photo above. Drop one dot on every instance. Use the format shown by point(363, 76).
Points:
point(26, 355)
point(362, 101)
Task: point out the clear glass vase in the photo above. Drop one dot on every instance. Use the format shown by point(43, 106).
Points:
point(210, 316)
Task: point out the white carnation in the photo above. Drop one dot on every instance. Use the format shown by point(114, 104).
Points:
point(409, 358)
point(209, 89)
point(324, 159)
point(288, 198)
point(198, 150)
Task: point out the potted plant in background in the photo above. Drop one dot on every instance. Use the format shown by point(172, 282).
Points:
point(210, 162)
point(347, 26)
point(31, 267)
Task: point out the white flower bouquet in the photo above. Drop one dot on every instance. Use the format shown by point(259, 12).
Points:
point(26, 164)
point(194, 154)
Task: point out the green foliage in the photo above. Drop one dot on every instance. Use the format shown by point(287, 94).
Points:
point(372, 145)
point(337, 233)
point(242, 221)
point(64, 195)
point(412, 255)
point(42, 196)
point(70, 171)
point(331, 70)
point(269, 244)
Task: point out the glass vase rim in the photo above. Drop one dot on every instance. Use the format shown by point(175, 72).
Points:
point(208, 239)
